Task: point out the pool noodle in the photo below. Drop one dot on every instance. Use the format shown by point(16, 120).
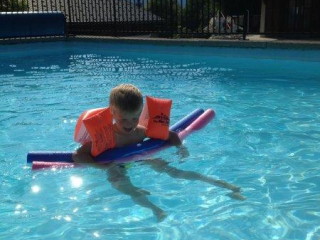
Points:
point(42, 165)
point(116, 153)
point(197, 124)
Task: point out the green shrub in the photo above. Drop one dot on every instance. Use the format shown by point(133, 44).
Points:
point(13, 5)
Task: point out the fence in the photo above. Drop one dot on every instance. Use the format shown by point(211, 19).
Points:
point(291, 16)
point(186, 18)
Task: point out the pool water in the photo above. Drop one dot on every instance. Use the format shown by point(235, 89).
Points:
point(264, 139)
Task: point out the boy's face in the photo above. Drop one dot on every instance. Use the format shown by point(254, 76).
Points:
point(126, 122)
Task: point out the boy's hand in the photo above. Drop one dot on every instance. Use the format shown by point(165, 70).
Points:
point(83, 156)
point(174, 139)
point(183, 152)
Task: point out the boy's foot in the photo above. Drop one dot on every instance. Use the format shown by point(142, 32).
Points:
point(161, 215)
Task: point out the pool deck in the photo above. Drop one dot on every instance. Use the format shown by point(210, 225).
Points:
point(253, 41)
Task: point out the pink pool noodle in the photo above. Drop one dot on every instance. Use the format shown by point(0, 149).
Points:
point(41, 165)
point(198, 124)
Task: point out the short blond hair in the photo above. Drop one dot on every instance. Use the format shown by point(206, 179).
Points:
point(126, 97)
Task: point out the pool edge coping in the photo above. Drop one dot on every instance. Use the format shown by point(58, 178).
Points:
point(275, 44)
point(263, 44)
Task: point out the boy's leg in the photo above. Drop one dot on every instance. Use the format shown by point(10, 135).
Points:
point(120, 181)
point(162, 166)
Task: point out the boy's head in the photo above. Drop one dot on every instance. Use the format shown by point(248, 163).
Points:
point(126, 98)
point(126, 105)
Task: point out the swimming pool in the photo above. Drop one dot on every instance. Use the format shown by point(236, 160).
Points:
point(264, 139)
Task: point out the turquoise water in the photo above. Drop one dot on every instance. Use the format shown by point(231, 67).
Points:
point(264, 139)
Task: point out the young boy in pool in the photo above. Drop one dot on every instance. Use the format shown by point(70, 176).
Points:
point(126, 103)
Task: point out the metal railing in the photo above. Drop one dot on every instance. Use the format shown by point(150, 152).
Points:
point(170, 18)
point(291, 17)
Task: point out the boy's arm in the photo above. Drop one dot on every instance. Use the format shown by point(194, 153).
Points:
point(83, 155)
point(175, 141)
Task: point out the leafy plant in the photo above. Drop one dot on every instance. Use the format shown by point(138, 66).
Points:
point(13, 5)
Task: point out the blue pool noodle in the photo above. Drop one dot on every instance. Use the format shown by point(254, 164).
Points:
point(116, 153)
